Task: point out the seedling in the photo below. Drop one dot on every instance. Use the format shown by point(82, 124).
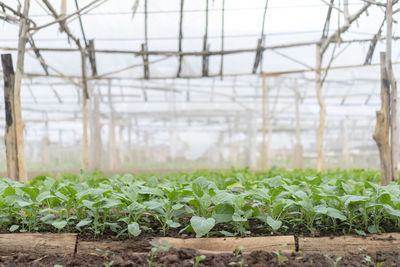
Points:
point(335, 262)
point(198, 259)
point(281, 258)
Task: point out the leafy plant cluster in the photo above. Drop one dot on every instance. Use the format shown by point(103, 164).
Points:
point(235, 202)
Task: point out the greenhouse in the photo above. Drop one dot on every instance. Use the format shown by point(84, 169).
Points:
point(199, 133)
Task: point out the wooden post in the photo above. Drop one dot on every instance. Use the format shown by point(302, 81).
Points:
point(269, 126)
point(322, 110)
point(264, 125)
point(46, 145)
point(381, 133)
point(394, 132)
point(298, 149)
point(23, 39)
point(10, 137)
point(85, 153)
point(129, 152)
point(345, 144)
point(112, 152)
point(95, 135)
point(121, 155)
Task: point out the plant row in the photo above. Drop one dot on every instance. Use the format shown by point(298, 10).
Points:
point(229, 203)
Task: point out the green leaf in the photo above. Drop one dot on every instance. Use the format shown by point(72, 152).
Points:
point(84, 222)
point(274, 224)
point(360, 232)
point(59, 224)
point(202, 226)
point(134, 229)
point(13, 228)
point(223, 213)
point(337, 214)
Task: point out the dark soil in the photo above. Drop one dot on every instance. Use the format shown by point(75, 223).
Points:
point(187, 257)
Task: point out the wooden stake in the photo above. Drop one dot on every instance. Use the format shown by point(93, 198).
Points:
point(264, 125)
point(298, 153)
point(10, 133)
point(322, 110)
point(95, 135)
point(112, 153)
point(85, 94)
point(394, 132)
point(381, 133)
point(23, 38)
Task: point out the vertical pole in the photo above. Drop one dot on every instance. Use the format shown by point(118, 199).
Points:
point(95, 135)
point(121, 145)
point(345, 144)
point(130, 142)
point(322, 110)
point(381, 133)
point(23, 38)
point(46, 145)
point(112, 155)
point(85, 94)
point(269, 126)
point(264, 125)
point(10, 137)
point(298, 156)
point(394, 132)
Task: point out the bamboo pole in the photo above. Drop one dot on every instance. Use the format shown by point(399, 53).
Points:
point(264, 125)
point(381, 133)
point(298, 153)
point(23, 38)
point(10, 133)
point(322, 110)
point(345, 144)
point(112, 153)
point(394, 132)
point(85, 153)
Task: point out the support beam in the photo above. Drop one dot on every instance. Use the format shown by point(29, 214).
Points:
point(381, 133)
point(92, 56)
point(298, 150)
point(112, 151)
point(322, 110)
point(394, 132)
point(23, 38)
point(206, 47)
point(264, 124)
point(95, 135)
point(180, 39)
point(10, 136)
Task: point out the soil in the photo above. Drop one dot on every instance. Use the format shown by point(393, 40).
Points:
point(187, 257)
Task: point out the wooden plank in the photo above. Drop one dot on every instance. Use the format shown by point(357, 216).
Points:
point(345, 245)
point(99, 247)
point(10, 131)
point(38, 243)
point(229, 244)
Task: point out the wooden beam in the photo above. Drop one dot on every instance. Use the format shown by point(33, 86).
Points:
point(180, 39)
point(221, 68)
point(381, 133)
point(85, 96)
point(298, 151)
point(322, 109)
point(23, 38)
point(92, 56)
point(394, 132)
point(206, 47)
point(10, 137)
point(264, 124)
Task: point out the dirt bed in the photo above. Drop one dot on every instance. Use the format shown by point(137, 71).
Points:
point(187, 257)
